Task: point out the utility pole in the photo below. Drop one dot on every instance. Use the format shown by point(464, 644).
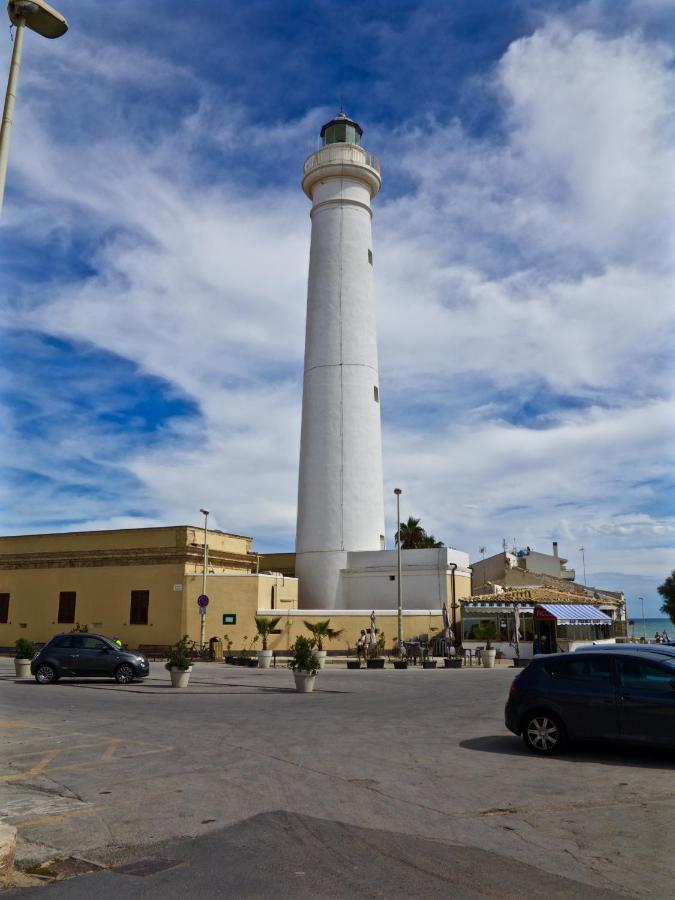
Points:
point(202, 609)
point(583, 560)
point(399, 590)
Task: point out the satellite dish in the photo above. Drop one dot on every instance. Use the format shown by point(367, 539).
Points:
point(38, 16)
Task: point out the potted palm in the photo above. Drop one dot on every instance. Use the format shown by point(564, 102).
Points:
point(400, 660)
point(453, 660)
point(265, 628)
point(229, 658)
point(178, 664)
point(487, 631)
point(304, 664)
point(376, 657)
point(321, 631)
point(24, 651)
point(428, 661)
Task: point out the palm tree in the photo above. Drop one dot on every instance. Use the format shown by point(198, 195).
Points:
point(667, 591)
point(265, 628)
point(322, 630)
point(414, 537)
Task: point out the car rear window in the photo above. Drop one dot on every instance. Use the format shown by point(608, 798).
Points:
point(596, 668)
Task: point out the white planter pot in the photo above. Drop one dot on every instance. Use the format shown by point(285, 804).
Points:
point(304, 682)
point(488, 657)
point(264, 659)
point(320, 657)
point(22, 668)
point(180, 677)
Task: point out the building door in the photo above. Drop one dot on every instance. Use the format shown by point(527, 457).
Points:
point(545, 633)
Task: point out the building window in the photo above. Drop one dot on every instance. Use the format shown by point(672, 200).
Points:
point(370, 257)
point(66, 607)
point(140, 602)
point(376, 394)
point(4, 608)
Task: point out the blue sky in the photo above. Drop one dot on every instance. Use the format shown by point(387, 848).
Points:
point(154, 251)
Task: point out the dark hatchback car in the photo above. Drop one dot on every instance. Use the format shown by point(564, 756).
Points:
point(594, 695)
point(88, 655)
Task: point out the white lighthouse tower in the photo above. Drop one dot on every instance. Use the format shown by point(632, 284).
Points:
point(340, 498)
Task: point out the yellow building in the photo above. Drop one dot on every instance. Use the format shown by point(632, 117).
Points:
point(141, 585)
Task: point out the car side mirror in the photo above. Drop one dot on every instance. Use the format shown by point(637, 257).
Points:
point(105, 650)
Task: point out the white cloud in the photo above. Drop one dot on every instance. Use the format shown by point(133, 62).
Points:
point(537, 258)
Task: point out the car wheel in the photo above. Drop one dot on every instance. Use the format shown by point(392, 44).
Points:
point(45, 674)
point(124, 674)
point(544, 733)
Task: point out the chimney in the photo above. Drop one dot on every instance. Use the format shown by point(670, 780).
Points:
point(555, 549)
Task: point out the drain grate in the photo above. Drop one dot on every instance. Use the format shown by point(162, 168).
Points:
point(145, 867)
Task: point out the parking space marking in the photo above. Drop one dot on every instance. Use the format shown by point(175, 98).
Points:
point(107, 754)
point(36, 770)
point(17, 723)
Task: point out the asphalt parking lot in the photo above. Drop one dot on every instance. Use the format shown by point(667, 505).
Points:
point(381, 783)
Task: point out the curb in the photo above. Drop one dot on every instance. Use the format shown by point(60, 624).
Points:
point(7, 852)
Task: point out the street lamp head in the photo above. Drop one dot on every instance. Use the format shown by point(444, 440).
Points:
point(397, 491)
point(204, 512)
point(38, 16)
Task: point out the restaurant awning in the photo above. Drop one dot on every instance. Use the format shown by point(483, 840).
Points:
point(577, 614)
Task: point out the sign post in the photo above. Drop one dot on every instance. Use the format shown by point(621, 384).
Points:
point(202, 603)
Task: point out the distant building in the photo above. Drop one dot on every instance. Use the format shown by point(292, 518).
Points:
point(550, 605)
point(519, 568)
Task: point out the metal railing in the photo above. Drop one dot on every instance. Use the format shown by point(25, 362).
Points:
point(340, 153)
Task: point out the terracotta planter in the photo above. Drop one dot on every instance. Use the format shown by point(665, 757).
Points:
point(320, 657)
point(488, 658)
point(400, 664)
point(22, 668)
point(304, 682)
point(429, 663)
point(180, 677)
point(264, 659)
point(353, 663)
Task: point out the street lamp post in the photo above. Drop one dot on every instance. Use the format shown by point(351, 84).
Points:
point(644, 622)
point(583, 560)
point(399, 591)
point(202, 609)
point(41, 18)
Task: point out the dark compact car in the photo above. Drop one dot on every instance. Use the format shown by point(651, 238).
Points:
point(596, 694)
point(87, 654)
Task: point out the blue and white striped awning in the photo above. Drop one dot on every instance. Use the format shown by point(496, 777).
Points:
point(577, 614)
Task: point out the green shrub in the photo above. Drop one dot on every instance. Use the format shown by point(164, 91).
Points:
point(24, 649)
point(178, 655)
point(303, 659)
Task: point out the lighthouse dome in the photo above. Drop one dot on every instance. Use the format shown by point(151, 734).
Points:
point(341, 130)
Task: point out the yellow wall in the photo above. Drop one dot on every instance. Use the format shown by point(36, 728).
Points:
point(241, 595)
point(351, 624)
point(103, 602)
